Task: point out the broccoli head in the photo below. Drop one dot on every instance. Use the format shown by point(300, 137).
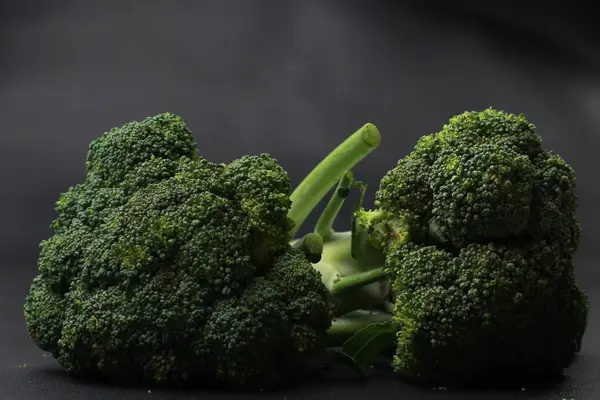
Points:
point(481, 265)
point(165, 267)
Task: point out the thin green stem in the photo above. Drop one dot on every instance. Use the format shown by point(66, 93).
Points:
point(337, 265)
point(329, 171)
point(347, 325)
point(359, 280)
point(324, 226)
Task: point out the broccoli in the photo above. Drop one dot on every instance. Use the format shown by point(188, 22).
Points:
point(165, 267)
point(472, 239)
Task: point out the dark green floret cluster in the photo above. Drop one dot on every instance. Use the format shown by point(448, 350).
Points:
point(481, 267)
point(166, 267)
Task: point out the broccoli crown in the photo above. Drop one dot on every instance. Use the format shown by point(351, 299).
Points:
point(489, 290)
point(491, 311)
point(485, 176)
point(153, 271)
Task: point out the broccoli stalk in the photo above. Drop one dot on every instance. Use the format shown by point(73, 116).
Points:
point(351, 266)
point(353, 283)
point(347, 292)
point(328, 172)
point(351, 269)
point(357, 284)
point(324, 226)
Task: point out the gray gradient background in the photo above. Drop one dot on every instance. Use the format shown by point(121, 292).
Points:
point(291, 78)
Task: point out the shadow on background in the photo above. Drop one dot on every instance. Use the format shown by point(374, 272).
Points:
point(292, 79)
point(333, 379)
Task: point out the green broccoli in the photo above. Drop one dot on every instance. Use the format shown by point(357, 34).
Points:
point(472, 239)
point(165, 267)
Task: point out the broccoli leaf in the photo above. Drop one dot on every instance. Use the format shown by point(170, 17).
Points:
point(367, 344)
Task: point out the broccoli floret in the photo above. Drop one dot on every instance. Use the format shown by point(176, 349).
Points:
point(44, 310)
point(278, 316)
point(501, 311)
point(175, 329)
point(303, 297)
point(114, 157)
point(483, 177)
point(263, 190)
point(86, 205)
point(165, 267)
point(555, 202)
point(480, 191)
point(121, 162)
point(472, 127)
point(476, 179)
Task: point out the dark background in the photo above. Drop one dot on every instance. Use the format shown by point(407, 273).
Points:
point(291, 78)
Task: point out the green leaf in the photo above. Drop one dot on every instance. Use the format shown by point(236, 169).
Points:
point(345, 359)
point(368, 343)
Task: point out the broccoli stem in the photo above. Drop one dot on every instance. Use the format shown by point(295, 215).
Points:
point(324, 176)
point(337, 261)
point(324, 226)
point(345, 284)
point(350, 282)
point(364, 290)
point(344, 327)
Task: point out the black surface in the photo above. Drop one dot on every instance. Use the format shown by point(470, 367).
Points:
point(291, 78)
point(26, 373)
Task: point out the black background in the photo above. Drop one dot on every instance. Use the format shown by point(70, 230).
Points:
point(291, 78)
